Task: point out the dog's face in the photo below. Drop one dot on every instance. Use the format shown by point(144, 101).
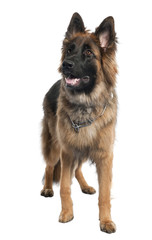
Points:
point(79, 64)
point(84, 54)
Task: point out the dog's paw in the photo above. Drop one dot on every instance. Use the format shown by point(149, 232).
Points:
point(108, 226)
point(47, 193)
point(88, 190)
point(65, 216)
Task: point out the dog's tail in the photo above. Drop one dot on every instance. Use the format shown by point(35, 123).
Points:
point(56, 173)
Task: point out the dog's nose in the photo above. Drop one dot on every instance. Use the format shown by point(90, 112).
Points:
point(67, 64)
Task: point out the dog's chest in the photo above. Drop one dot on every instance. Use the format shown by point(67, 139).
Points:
point(77, 137)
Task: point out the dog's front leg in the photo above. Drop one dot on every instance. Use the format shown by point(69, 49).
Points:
point(104, 170)
point(66, 214)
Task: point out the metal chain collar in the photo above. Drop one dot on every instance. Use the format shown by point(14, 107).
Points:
point(79, 125)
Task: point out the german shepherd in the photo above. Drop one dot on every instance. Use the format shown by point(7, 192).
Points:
point(80, 116)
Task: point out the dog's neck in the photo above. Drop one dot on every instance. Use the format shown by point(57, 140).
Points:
point(82, 107)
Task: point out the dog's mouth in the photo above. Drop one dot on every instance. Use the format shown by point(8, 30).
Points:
point(72, 81)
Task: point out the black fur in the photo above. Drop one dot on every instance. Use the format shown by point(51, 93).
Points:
point(52, 96)
point(81, 65)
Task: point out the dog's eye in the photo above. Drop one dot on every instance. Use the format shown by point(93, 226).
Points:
point(69, 51)
point(88, 53)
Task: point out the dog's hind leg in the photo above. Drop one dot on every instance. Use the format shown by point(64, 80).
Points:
point(83, 184)
point(47, 190)
point(51, 153)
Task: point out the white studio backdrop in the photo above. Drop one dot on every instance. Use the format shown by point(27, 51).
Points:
point(31, 34)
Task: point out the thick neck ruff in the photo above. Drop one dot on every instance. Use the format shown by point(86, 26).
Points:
point(77, 125)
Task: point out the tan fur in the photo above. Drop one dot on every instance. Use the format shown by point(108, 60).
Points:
point(61, 142)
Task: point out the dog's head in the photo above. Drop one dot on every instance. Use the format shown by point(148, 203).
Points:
point(88, 58)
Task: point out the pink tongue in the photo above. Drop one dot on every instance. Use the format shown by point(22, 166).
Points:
point(72, 81)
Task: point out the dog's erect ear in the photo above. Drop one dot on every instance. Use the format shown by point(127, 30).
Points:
point(106, 32)
point(76, 25)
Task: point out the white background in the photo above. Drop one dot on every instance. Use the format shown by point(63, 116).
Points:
point(31, 34)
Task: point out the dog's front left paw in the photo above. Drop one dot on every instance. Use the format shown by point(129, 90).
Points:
point(108, 226)
point(65, 216)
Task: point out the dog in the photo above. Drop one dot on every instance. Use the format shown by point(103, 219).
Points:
point(80, 112)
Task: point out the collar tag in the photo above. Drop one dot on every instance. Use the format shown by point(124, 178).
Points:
point(76, 127)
